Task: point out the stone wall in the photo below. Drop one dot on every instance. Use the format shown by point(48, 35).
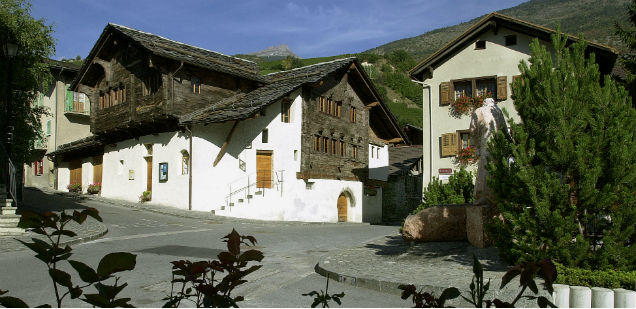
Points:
point(317, 164)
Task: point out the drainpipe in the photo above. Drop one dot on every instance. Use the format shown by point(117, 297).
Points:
point(189, 129)
point(430, 127)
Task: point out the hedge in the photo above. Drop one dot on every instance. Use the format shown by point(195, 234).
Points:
point(610, 279)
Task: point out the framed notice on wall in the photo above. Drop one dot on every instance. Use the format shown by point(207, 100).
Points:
point(163, 171)
point(131, 174)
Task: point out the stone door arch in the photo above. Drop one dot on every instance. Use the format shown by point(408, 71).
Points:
point(343, 204)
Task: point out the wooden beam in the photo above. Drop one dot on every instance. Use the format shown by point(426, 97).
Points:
point(396, 140)
point(227, 142)
point(372, 104)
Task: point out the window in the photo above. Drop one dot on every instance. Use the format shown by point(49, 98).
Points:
point(495, 87)
point(486, 87)
point(322, 104)
point(48, 127)
point(196, 85)
point(511, 40)
point(372, 148)
point(285, 111)
point(185, 162)
point(265, 136)
point(38, 167)
point(354, 151)
point(463, 89)
point(352, 114)
point(151, 84)
point(481, 44)
point(329, 106)
point(316, 143)
point(464, 138)
point(295, 155)
point(333, 146)
point(323, 144)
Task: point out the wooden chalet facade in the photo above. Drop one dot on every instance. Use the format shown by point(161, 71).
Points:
point(205, 131)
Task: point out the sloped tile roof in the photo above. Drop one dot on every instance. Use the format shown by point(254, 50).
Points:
point(245, 105)
point(402, 158)
point(191, 54)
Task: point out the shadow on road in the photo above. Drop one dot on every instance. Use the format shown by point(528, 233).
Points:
point(456, 252)
point(39, 201)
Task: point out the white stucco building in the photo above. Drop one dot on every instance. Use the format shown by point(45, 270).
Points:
point(309, 144)
point(485, 58)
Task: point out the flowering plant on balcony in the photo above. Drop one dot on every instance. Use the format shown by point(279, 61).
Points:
point(462, 105)
point(74, 187)
point(466, 156)
point(94, 188)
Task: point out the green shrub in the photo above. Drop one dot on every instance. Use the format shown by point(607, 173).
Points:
point(458, 190)
point(74, 187)
point(145, 196)
point(610, 279)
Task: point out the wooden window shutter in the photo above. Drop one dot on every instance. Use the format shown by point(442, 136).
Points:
point(449, 144)
point(69, 99)
point(445, 93)
point(502, 87)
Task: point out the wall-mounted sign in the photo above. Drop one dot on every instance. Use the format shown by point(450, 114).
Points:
point(242, 165)
point(131, 174)
point(444, 178)
point(445, 170)
point(163, 171)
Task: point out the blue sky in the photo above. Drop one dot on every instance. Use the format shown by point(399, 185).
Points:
point(310, 28)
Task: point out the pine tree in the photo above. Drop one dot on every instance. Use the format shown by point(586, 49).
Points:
point(628, 36)
point(570, 191)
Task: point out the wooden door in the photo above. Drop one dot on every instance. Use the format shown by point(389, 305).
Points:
point(263, 169)
point(342, 208)
point(149, 174)
point(76, 172)
point(97, 169)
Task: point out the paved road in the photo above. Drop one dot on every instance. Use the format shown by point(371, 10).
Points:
point(291, 251)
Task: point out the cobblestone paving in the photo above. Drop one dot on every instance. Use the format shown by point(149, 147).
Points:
point(385, 263)
point(89, 230)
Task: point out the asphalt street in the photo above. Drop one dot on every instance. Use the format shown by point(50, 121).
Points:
point(291, 251)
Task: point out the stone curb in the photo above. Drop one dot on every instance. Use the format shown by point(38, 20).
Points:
point(383, 286)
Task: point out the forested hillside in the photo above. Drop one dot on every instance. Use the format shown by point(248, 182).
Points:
point(387, 65)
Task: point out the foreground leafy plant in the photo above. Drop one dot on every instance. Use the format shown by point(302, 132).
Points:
point(427, 300)
point(199, 280)
point(324, 297)
point(52, 226)
point(478, 290)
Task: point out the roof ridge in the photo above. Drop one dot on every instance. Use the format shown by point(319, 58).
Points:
point(311, 65)
point(182, 43)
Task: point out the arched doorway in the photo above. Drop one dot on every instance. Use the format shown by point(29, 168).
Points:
point(343, 203)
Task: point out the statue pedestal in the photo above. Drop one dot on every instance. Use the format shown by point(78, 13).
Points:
point(476, 218)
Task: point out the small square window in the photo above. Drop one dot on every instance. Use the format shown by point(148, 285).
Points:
point(309, 185)
point(481, 44)
point(511, 40)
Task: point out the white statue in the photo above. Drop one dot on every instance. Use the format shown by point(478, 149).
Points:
point(484, 122)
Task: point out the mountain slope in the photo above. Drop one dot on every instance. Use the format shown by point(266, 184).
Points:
point(594, 19)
